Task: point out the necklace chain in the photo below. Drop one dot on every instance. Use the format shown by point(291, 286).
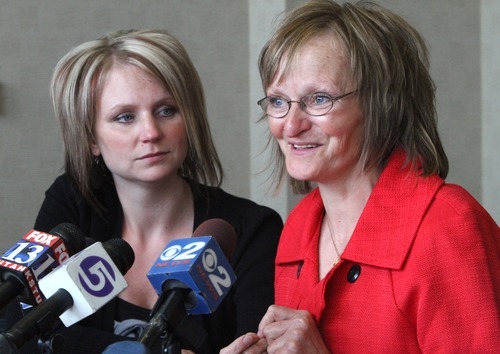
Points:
point(337, 259)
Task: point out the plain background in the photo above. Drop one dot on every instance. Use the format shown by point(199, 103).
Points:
point(224, 38)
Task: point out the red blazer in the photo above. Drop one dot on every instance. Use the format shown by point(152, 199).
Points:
point(421, 272)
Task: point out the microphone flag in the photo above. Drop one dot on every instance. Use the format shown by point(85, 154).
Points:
point(200, 265)
point(92, 279)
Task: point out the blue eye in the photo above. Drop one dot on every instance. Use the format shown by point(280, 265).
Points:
point(277, 102)
point(167, 111)
point(124, 118)
point(319, 99)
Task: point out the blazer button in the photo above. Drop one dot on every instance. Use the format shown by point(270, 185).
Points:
point(353, 273)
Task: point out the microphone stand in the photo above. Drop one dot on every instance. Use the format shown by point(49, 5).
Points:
point(39, 321)
point(170, 321)
point(6, 347)
point(170, 345)
point(50, 343)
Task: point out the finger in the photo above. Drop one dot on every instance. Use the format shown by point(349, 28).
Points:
point(259, 347)
point(299, 334)
point(274, 313)
point(241, 344)
point(277, 313)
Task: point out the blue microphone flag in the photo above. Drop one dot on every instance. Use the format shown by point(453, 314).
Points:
point(200, 265)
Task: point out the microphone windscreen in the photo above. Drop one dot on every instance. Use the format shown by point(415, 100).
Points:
point(72, 236)
point(222, 231)
point(121, 253)
point(89, 241)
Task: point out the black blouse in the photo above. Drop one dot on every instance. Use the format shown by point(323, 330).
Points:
point(257, 229)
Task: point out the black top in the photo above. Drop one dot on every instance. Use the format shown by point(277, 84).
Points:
point(257, 229)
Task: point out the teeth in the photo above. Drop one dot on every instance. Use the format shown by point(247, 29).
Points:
point(303, 146)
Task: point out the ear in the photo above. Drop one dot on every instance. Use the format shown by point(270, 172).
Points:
point(95, 150)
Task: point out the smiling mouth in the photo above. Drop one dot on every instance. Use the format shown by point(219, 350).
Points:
point(303, 147)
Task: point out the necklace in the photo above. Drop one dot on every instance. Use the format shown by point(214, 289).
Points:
point(337, 259)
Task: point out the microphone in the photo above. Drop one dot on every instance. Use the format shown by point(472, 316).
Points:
point(6, 347)
point(192, 276)
point(77, 288)
point(32, 258)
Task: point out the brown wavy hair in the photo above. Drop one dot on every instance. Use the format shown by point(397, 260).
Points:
point(388, 61)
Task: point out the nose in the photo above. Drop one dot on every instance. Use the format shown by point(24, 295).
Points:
point(150, 129)
point(296, 121)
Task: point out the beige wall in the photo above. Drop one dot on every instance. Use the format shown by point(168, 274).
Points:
point(224, 37)
point(490, 106)
point(34, 35)
point(464, 42)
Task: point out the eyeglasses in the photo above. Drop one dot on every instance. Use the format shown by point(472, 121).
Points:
point(315, 104)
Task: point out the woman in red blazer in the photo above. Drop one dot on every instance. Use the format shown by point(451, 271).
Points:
point(382, 255)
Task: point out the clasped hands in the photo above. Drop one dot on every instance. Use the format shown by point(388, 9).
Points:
point(281, 330)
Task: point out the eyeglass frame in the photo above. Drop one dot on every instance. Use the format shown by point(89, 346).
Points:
point(302, 104)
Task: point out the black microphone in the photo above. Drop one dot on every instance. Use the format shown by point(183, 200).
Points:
point(77, 288)
point(32, 258)
point(7, 347)
point(192, 276)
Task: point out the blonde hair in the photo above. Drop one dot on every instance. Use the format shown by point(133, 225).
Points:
point(77, 84)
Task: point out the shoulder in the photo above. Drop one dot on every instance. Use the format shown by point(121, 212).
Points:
point(216, 201)
point(456, 227)
point(63, 191)
point(454, 207)
point(63, 184)
point(254, 224)
point(459, 200)
point(456, 251)
point(63, 202)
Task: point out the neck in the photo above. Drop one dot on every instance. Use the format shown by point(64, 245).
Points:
point(344, 203)
point(165, 211)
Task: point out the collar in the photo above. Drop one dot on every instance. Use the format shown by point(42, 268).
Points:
point(386, 228)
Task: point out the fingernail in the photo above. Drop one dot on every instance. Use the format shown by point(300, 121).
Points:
point(247, 339)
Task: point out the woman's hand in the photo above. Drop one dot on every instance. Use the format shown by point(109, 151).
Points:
point(249, 343)
point(290, 331)
point(281, 331)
